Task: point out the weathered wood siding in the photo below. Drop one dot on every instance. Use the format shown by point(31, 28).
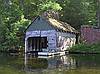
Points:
point(57, 41)
point(50, 34)
point(65, 40)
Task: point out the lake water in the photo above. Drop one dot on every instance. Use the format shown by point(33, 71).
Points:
point(69, 64)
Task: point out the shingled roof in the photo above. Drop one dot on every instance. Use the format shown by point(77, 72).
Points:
point(55, 24)
point(59, 25)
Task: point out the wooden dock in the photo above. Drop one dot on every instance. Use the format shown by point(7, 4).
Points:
point(47, 53)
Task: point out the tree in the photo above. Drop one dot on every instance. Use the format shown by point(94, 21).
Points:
point(15, 16)
point(33, 8)
point(10, 24)
point(78, 12)
point(98, 12)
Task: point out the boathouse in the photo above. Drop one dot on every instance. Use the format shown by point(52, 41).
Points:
point(49, 35)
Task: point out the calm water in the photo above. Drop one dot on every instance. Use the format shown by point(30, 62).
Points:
point(69, 64)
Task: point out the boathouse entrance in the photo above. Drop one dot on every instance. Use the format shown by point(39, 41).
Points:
point(37, 43)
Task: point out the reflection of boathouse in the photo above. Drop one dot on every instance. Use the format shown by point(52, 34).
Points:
point(49, 35)
point(33, 63)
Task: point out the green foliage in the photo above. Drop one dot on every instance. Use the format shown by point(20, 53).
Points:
point(12, 23)
point(15, 16)
point(50, 5)
point(95, 48)
point(33, 8)
point(78, 12)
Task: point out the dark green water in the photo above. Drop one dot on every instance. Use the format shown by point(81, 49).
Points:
point(69, 64)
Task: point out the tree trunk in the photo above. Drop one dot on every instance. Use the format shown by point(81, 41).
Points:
point(98, 13)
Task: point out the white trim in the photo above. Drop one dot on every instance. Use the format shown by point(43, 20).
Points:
point(25, 47)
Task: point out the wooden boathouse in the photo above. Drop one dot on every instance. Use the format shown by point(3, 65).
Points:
point(49, 35)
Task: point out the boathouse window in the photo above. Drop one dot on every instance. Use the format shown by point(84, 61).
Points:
point(44, 42)
point(37, 43)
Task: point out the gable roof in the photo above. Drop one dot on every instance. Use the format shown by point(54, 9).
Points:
point(42, 23)
point(39, 24)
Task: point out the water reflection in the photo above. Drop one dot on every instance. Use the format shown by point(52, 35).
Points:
point(68, 64)
point(87, 61)
point(62, 62)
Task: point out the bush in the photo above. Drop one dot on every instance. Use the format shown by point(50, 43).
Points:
point(82, 47)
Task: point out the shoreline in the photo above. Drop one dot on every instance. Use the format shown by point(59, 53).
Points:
point(81, 52)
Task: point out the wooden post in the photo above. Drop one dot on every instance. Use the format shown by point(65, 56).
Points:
point(26, 45)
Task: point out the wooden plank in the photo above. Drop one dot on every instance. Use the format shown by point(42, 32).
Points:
point(65, 34)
